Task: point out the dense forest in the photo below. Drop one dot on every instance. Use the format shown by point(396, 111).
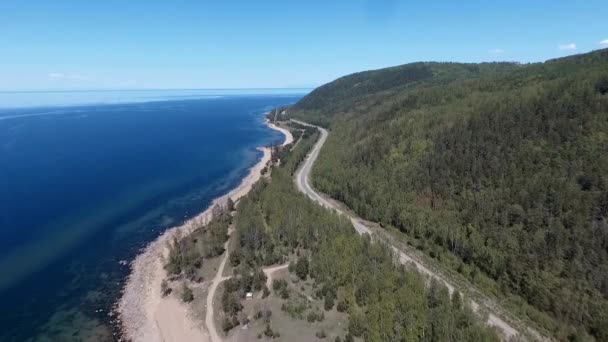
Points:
point(496, 170)
point(385, 301)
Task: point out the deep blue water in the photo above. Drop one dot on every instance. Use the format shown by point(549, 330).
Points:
point(84, 187)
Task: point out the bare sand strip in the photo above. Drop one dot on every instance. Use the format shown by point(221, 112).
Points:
point(287, 133)
point(147, 316)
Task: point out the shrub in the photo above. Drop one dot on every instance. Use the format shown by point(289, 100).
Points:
point(329, 301)
point(231, 303)
point(315, 316)
point(280, 287)
point(268, 331)
point(278, 284)
point(258, 280)
point(164, 288)
point(187, 295)
point(294, 309)
point(302, 268)
point(229, 323)
point(285, 293)
point(235, 258)
point(267, 314)
point(265, 292)
point(356, 324)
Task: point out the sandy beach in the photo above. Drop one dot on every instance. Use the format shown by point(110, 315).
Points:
point(288, 136)
point(145, 314)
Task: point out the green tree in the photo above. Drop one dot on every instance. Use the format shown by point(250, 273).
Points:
point(302, 268)
point(602, 85)
point(187, 295)
point(230, 204)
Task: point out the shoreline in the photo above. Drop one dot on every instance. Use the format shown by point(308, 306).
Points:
point(287, 133)
point(144, 314)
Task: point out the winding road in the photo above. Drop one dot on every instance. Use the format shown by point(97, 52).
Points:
point(302, 179)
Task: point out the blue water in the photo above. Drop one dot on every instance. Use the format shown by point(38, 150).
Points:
point(84, 187)
point(27, 99)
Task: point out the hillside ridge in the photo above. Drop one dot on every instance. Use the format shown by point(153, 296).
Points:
point(495, 170)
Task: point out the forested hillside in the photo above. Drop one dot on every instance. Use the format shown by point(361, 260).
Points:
point(384, 301)
point(350, 274)
point(497, 170)
point(362, 88)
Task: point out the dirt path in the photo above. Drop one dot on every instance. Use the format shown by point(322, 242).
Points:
point(209, 316)
point(270, 271)
point(302, 179)
point(209, 321)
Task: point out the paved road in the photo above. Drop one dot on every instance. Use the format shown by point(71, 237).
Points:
point(303, 183)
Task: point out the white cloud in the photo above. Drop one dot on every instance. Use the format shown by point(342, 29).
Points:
point(570, 46)
point(496, 51)
point(604, 43)
point(62, 76)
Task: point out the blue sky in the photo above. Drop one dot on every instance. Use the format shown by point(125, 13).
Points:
point(116, 44)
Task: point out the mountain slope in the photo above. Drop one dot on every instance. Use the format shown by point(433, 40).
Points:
point(350, 91)
point(496, 170)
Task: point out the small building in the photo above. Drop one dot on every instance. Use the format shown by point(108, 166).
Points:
point(249, 295)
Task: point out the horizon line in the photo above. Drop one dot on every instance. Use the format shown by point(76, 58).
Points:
point(146, 89)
